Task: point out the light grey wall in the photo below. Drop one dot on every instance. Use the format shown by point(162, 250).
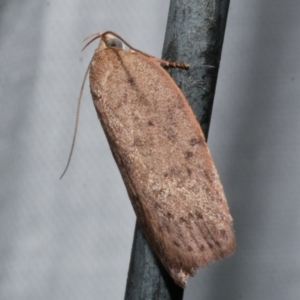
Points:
point(71, 239)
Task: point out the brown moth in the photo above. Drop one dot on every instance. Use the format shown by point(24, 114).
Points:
point(163, 158)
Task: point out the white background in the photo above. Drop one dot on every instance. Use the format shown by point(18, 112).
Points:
point(71, 239)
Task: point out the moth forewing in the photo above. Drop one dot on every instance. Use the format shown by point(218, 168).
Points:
point(163, 158)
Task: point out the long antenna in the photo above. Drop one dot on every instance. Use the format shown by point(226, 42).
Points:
point(76, 122)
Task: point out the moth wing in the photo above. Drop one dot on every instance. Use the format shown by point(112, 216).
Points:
point(164, 161)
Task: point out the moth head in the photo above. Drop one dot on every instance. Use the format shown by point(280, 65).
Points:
point(112, 41)
point(109, 39)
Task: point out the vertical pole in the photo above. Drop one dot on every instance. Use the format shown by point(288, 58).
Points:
point(194, 35)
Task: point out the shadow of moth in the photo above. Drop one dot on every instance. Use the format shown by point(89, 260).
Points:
point(162, 156)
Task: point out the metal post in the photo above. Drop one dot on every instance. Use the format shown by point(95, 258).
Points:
point(195, 33)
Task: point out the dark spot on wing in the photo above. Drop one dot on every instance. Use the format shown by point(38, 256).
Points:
point(199, 215)
point(191, 216)
point(223, 232)
point(131, 80)
point(182, 220)
point(169, 215)
point(195, 141)
point(176, 244)
point(188, 154)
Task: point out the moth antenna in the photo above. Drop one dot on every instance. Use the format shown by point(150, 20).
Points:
point(96, 36)
point(92, 35)
point(76, 122)
point(171, 64)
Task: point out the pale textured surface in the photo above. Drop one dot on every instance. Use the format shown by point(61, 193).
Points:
point(72, 239)
point(164, 161)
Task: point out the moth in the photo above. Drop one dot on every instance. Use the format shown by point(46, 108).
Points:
point(162, 156)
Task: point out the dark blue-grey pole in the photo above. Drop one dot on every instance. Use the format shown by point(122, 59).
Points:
point(194, 35)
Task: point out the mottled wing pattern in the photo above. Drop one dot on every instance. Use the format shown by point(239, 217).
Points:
point(164, 161)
